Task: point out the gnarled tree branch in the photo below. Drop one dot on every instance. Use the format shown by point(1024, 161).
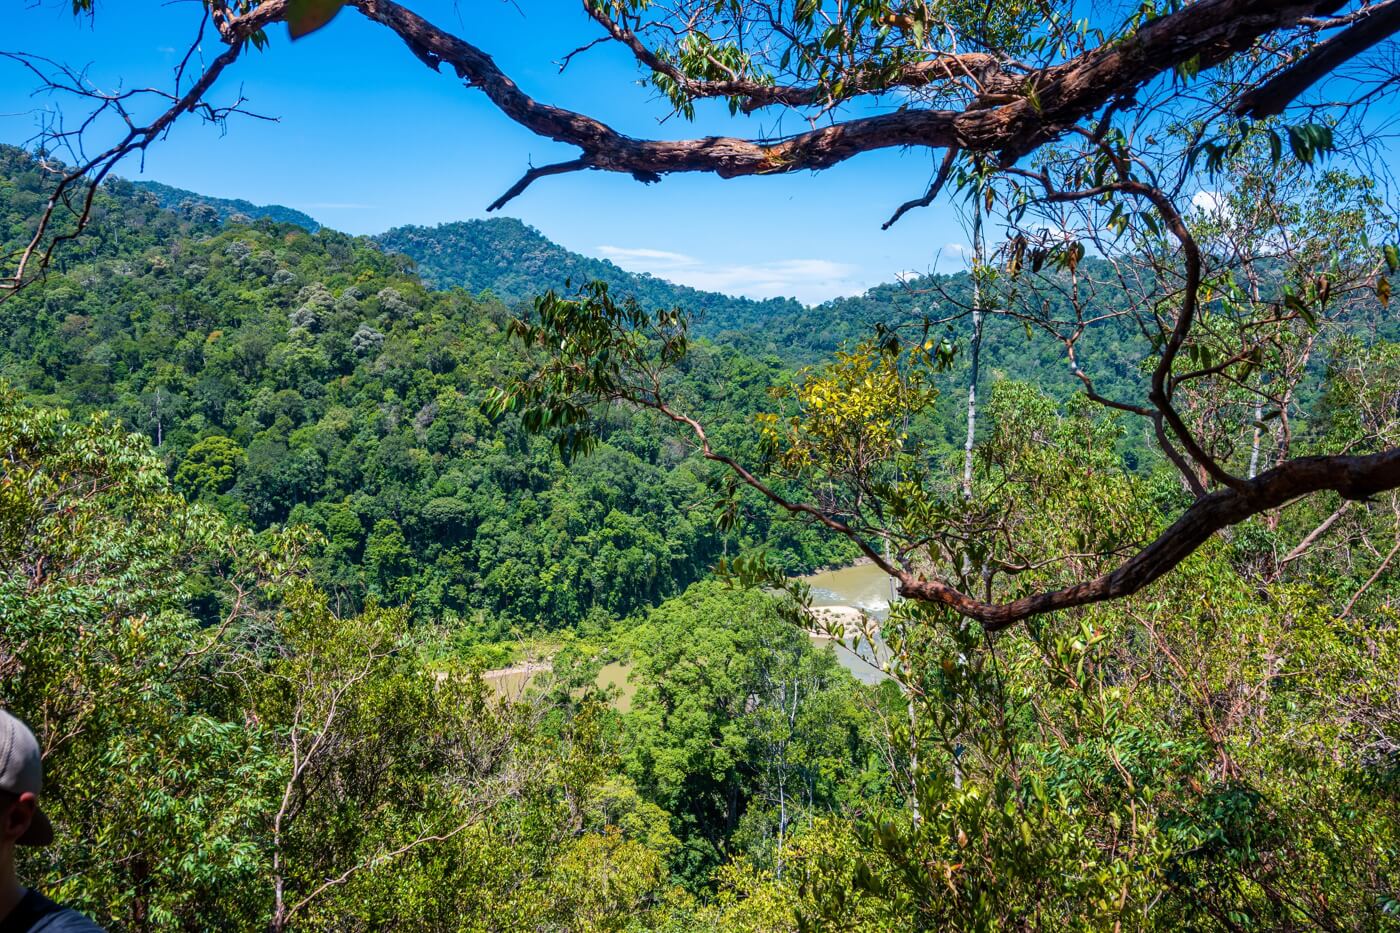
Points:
point(558, 168)
point(984, 70)
point(1050, 101)
point(80, 182)
point(1351, 477)
point(1374, 25)
point(939, 180)
point(1008, 114)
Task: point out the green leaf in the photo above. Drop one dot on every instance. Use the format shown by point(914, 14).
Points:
point(1033, 97)
point(306, 16)
point(1189, 68)
point(1310, 141)
point(1297, 304)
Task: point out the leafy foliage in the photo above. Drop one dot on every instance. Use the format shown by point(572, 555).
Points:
point(246, 608)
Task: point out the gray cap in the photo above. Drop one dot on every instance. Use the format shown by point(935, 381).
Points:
point(22, 772)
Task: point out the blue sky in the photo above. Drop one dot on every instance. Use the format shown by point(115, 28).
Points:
point(367, 138)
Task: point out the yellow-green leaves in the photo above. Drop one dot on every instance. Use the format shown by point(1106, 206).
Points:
point(851, 412)
point(1391, 254)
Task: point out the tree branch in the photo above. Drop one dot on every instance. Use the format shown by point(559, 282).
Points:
point(380, 859)
point(1005, 114)
point(1316, 533)
point(1160, 394)
point(558, 168)
point(985, 70)
point(1064, 94)
point(936, 186)
point(89, 174)
point(796, 508)
point(1352, 477)
point(1374, 25)
point(1384, 566)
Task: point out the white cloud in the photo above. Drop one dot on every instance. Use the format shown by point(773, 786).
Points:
point(810, 281)
point(641, 254)
point(1208, 202)
point(952, 258)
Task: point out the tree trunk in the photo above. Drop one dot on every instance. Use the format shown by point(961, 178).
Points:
point(975, 349)
point(1258, 433)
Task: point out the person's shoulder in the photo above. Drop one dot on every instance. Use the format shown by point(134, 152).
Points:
point(64, 920)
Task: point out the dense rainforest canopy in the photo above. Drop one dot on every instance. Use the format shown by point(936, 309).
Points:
point(447, 580)
point(312, 379)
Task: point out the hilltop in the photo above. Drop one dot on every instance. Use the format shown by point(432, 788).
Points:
point(178, 199)
point(515, 262)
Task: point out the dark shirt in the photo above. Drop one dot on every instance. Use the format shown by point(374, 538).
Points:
point(37, 914)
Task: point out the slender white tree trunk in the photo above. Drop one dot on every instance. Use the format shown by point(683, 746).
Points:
point(1258, 434)
point(1258, 402)
point(976, 347)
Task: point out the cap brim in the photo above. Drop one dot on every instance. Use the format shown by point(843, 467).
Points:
point(40, 831)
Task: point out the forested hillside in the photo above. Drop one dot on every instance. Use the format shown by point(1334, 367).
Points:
point(237, 209)
point(450, 581)
point(515, 263)
point(287, 377)
point(242, 753)
point(265, 522)
point(260, 453)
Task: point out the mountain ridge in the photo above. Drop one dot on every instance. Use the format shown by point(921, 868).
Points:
point(182, 199)
point(515, 261)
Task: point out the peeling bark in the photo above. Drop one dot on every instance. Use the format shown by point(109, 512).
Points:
point(1049, 102)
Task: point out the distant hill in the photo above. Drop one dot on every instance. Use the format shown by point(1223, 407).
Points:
point(178, 199)
point(516, 262)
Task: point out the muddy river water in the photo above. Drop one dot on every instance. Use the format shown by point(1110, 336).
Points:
point(863, 587)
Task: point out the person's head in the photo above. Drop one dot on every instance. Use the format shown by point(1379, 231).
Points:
point(21, 781)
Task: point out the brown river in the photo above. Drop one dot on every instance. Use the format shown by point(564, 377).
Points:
point(863, 587)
